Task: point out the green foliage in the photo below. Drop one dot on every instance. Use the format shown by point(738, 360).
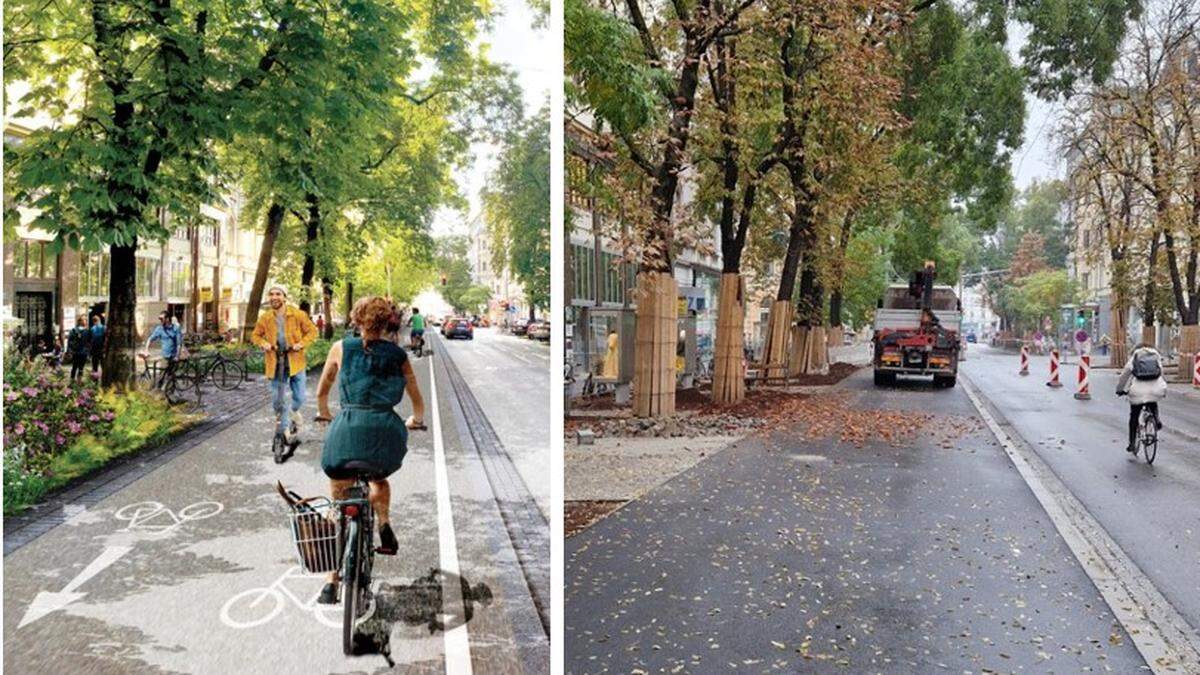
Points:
point(474, 300)
point(607, 69)
point(452, 265)
point(1038, 296)
point(44, 411)
point(868, 271)
point(400, 265)
point(518, 210)
point(948, 240)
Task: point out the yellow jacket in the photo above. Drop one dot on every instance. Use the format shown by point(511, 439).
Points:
point(297, 327)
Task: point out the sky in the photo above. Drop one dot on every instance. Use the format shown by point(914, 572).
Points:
point(525, 50)
point(1037, 159)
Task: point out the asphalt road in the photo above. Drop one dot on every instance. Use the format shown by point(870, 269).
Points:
point(208, 583)
point(511, 380)
point(784, 553)
point(1151, 511)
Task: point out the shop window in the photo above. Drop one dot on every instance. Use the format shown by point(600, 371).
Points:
point(148, 270)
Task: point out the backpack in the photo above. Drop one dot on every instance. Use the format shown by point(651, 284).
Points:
point(1146, 366)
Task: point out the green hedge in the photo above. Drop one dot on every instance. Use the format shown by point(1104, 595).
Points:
point(255, 364)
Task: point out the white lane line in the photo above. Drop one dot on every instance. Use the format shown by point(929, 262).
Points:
point(1160, 633)
point(457, 642)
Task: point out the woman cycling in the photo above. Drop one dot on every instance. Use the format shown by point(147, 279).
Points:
point(372, 374)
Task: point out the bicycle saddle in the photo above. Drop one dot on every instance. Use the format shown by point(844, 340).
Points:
point(360, 466)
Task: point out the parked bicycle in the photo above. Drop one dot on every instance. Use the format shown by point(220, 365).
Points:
point(225, 373)
point(173, 381)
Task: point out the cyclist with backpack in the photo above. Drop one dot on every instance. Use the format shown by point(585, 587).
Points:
point(1142, 379)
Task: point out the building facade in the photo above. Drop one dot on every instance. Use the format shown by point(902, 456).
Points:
point(600, 279)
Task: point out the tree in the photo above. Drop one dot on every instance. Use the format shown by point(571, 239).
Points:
point(1153, 97)
point(640, 76)
point(398, 266)
point(138, 90)
point(453, 269)
point(517, 211)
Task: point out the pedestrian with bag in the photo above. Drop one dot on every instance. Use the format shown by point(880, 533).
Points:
point(79, 342)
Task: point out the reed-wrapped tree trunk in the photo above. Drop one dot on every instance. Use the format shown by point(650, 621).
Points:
point(775, 351)
point(1119, 349)
point(654, 368)
point(729, 382)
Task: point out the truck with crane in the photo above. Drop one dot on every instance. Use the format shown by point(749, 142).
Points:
point(917, 331)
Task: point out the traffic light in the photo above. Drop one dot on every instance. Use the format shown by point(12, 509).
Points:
point(1080, 319)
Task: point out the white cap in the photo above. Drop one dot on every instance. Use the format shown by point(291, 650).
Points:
point(279, 287)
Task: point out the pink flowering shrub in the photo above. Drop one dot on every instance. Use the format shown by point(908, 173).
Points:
point(44, 411)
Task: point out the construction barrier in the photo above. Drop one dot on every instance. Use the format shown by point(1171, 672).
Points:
point(1024, 359)
point(1054, 370)
point(1085, 365)
point(1196, 371)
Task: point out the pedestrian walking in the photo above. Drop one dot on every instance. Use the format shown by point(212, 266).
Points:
point(97, 348)
point(283, 334)
point(79, 341)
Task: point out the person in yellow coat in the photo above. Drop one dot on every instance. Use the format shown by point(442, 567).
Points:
point(612, 358)
point(286, 330)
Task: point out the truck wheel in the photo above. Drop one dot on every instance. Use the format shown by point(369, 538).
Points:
point(884, 379)
point(944, 381)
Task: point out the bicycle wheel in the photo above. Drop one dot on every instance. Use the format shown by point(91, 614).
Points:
point(350, 577)
point(1149, 438)
point(226, 375)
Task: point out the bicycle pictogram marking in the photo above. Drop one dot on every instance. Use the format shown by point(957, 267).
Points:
point(154, 518)
point(236, 613)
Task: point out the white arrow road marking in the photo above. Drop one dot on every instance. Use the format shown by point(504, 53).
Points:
point(457, 642)
point(44, 602)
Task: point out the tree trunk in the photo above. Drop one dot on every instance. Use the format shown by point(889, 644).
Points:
point(121, 333)
point(1148, 293)
point(327, 299)
point(654, 356)
point(1119, 349)
point(729, 381)
point(349, 302)
point(810, 347)
point(312, 230)
point(274, 224)
point(775, 351)
point(1189, 345)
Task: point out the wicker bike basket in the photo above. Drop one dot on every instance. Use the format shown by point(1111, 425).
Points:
point(315, 532)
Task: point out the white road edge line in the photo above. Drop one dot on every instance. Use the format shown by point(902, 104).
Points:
point(1160, 633)
point(457, 641)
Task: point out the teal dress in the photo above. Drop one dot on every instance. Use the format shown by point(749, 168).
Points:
point(368, 429)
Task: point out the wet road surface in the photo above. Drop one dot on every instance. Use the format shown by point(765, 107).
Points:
point(790, 554)
point(1151, 511)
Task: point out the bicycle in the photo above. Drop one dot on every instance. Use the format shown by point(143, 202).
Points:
point(172, 381)
point(1147, 438)
point(140, 514)
point(225, 373)
point(418, 346)
point(1146, 441)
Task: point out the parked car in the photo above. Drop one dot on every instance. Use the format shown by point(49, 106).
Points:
point(539, 330)
point(520, 326)
point(458, 327)
point(971, 337)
